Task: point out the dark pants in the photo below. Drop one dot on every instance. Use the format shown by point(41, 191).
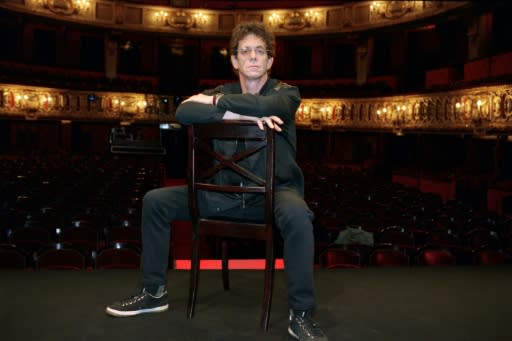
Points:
point(293, 218)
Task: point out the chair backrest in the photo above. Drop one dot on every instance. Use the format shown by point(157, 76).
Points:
point(118, 256)
point(228, 171)
point(12, 257)
point(396, 236)
point(443, 239)
point(85, 236)
point(60, 257)
point(479, 238)
point(30, 239)
point(130, 235)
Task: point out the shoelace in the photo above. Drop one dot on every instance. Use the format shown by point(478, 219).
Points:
point(133, 299)
point(308, 326)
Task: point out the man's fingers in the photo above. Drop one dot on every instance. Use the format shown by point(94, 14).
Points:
point(269, 122)
point(277, 119)
point(274, 123)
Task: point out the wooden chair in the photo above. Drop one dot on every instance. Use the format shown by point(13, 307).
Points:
point(201, 175)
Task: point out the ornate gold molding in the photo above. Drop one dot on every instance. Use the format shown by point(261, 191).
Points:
point(478, 110)
point(392, 9)
point(348, 17)
point(19, 101)
point(294, 21)
point(62, 7)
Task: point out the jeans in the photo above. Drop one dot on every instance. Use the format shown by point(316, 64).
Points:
point(293, 219)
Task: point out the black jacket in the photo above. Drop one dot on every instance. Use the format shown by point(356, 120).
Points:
point(275, 98)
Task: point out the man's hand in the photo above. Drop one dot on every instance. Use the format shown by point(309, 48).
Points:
point(200, 98)
point(273, 122)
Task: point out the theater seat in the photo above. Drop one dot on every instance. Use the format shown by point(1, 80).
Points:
point(12, 257)
point(336, 258)
point(122, 234)
point(30, 239)
point(60, 257)
point(389, 257)
point(436, 257)
point(491, 257)
point(118, 256)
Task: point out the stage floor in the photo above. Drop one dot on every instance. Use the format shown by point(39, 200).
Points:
point(413, 304)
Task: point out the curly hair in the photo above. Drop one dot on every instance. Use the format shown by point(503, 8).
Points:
point(258, 29)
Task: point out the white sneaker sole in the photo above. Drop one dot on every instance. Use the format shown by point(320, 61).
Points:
point(120, 313)
point(290, 331)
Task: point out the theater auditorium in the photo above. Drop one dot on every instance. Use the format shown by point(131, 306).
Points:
point(403, 137)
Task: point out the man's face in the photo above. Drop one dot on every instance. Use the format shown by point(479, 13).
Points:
point(252, 60)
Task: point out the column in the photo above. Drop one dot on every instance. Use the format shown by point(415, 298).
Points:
point(364, 52)
point(111, 56)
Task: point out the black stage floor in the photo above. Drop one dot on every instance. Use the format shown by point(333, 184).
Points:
point(413, 304)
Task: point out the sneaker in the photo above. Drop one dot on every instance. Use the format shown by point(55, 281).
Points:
point(303, 328)
point(140, 303)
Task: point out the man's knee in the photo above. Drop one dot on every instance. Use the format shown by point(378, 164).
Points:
point(150, 197)
point(155, 199)
point(290, 207)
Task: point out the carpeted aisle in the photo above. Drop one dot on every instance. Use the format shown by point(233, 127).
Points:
point(451, 303)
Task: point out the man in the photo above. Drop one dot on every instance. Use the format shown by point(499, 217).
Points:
point(269, 103)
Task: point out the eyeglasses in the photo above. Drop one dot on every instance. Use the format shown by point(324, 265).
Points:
point(246, 51)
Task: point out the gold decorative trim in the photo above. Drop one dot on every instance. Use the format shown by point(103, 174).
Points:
point(479, 110)
point(61, 7)
point(180, 20)
point(294, 21)
point(347, 17)
point(391, 9)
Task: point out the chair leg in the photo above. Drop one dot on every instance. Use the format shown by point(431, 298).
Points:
point(268, 286)
point(194, 277)
point(225, 265)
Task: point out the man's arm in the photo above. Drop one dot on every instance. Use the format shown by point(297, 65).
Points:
point(273, 122)
point(282, 102)
point(199, 108)
point(190, 112)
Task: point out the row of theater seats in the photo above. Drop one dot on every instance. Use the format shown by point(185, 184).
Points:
point(80, 207)
point(127, 256)
point(92, 203)
point(355, 257)
point(435, 247)
point(61, 256)
point(83, 237)
point(400, 223)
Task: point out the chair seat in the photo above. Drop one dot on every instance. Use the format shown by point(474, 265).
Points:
point(234, 219)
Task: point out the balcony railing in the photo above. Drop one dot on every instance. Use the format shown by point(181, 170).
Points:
point(476, 110)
